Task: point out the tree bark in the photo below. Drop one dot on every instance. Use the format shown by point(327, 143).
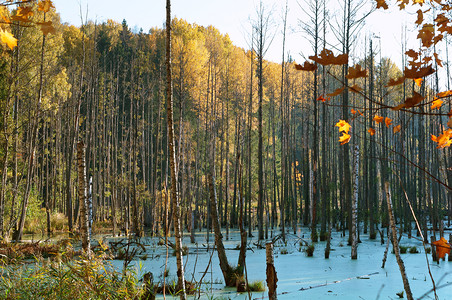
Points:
point(395, 243)
point(355, 205)
point(172, 157)
point(83, 197)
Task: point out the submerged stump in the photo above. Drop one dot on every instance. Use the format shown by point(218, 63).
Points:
point(272, 279)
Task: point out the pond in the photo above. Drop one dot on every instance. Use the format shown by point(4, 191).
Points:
point(299, 276)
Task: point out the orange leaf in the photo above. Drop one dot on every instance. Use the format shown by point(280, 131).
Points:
point(418, 81)
point(436, 104)
point(371, 131)
point(343, 126)
point(444, 94)
point(444, 139)
point(388, 122)
point(410, 102)
point(327, 57)
point(8, 39)
point(353, 111)
point(393, 82)
point(336, 92)
point(307, 66)
point(442, 247)
point(321, 98)
point(356, 72)
point(449, 123)
point(397, 128)
point(355, 88)
point(378, 119)
point(344, 139)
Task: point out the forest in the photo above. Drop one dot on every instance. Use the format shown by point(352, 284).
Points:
point(117, 142)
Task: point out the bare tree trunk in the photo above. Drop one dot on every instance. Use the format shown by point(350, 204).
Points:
point(395, 243)
point(272, 279)
point(355, 205)
point(172, 158)
point(82, 197)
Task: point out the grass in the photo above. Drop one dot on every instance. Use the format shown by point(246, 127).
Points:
point(256, 286)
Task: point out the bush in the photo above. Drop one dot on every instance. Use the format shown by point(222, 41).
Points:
point(58, 222)
point(428, 250)
point(284, 251)
point(403, 249)
point(309, 250)
point(413, 250)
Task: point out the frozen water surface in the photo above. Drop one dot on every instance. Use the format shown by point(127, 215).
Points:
point(302, 277)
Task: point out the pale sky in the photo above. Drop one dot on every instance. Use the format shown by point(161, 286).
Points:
point(233, 17)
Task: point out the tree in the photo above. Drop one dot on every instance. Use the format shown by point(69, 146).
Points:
point(172, 157)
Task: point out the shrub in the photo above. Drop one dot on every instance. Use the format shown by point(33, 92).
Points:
point(403, 249)
point(284, 251)
point(428, 250)
point(414, 250)
point(309, 250)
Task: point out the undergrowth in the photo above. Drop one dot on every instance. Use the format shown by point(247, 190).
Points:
point(73, 279)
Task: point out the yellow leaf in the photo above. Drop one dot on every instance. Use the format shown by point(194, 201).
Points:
point(371, 131)
point(436, 104)
point(396, 129)
point(8, 39)
point(343, 126)
point(344, 139)
point(45, 5)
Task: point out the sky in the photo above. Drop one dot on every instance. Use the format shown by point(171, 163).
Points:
point(234, 18)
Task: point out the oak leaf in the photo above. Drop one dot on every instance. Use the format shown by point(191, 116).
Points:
point(382, 4)
point(394, 82)
point(420, 17)
point(439, 62)
point(23, 14)
point(388, 122)
point(416, 72)
point(326, 57)
point(336, 92)
point(442, 248)
point(45, 5)
point(396, 128)
point(8, 39)
point(47, 27)
point(426, 35)
point(355, 88)
point(413, 54)
point(356, 72)
point(418, 81)
point(436, 104)
point(443, 140)
point(307, 66)
point(371, 131)
point(444, 94)
point(321, 98)
point(378, 119)
point(410, 102)
point(343, 126)
point(344, 139)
